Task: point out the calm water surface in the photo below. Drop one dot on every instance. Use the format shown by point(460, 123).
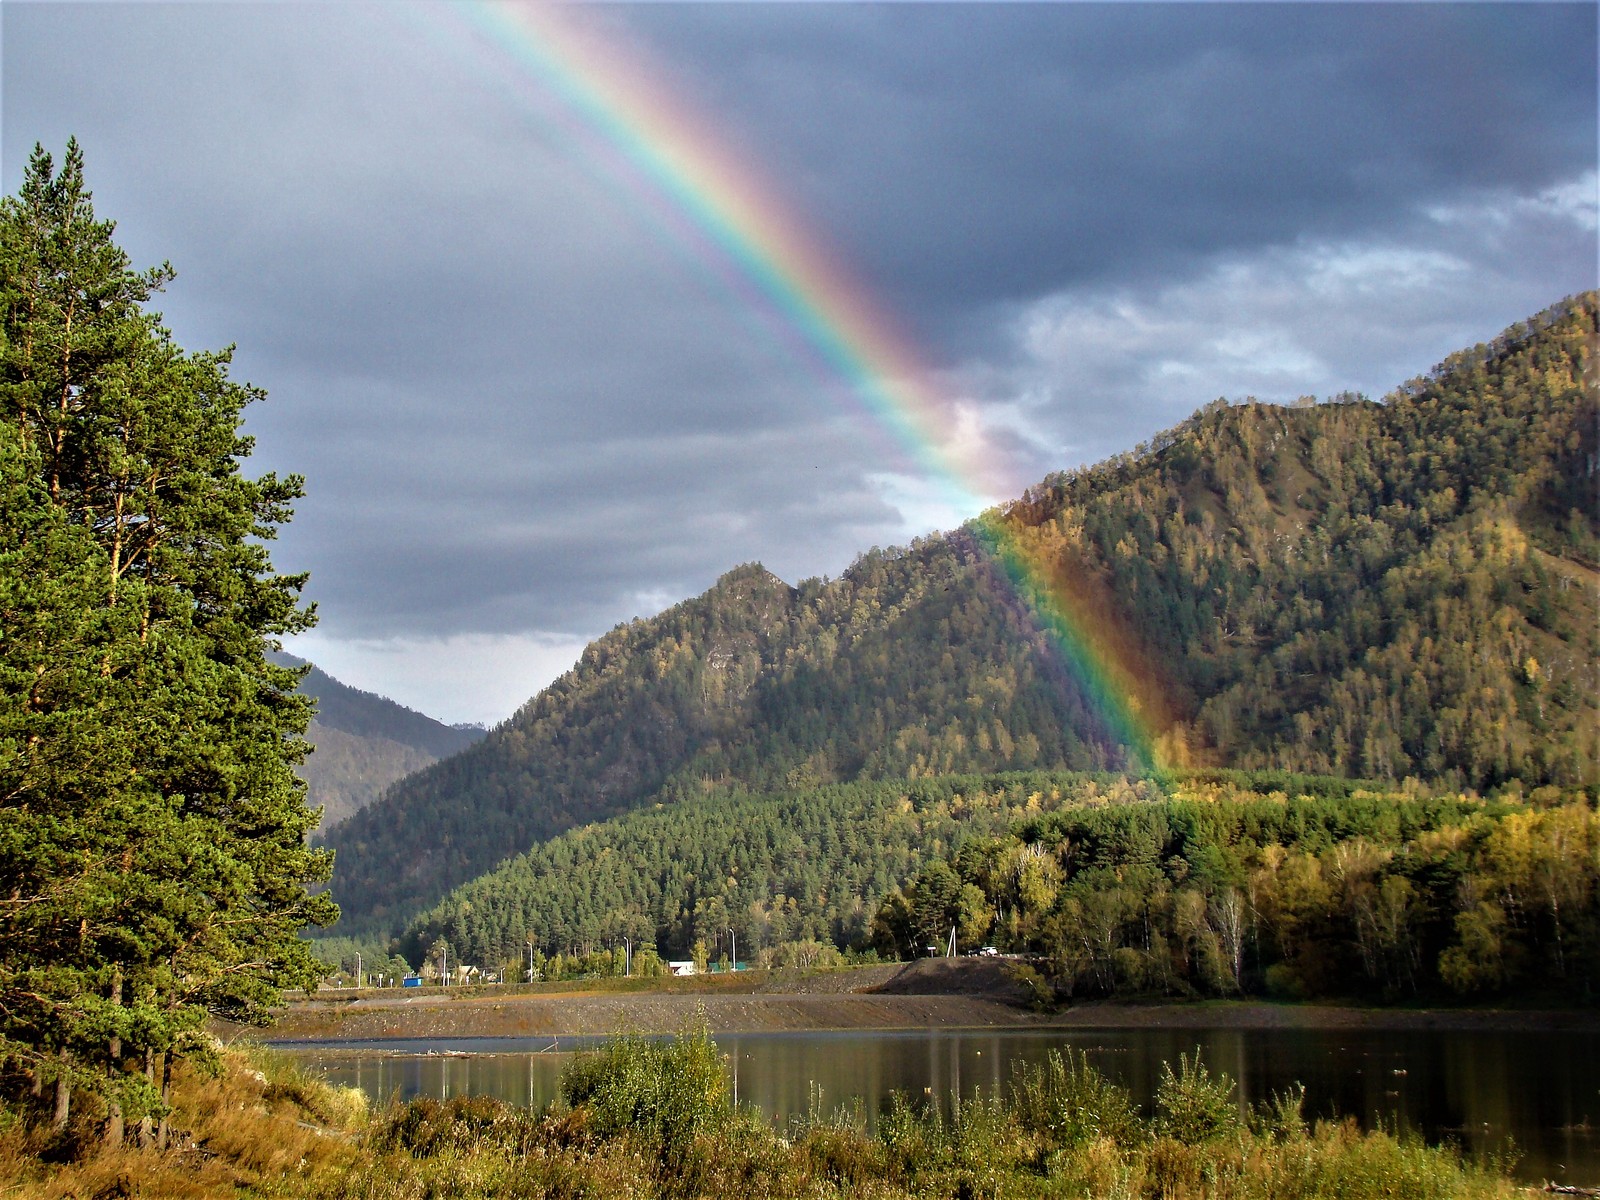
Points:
point(1539, 1090)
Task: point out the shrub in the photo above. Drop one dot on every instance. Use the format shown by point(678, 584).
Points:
point(1066, 1102)
point(1035, 989)
point(1193, 1107)
point(664, 1092)
point(913, 1137)
point(1283, 1116)
point(981, 1140)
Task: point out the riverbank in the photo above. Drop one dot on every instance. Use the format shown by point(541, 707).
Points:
point(953, 994)
point(655, 1121)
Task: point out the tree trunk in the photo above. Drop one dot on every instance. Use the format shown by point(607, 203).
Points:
point(63, 1094)
point(114, 1069)
point(166, 1090)
point(146, 1124)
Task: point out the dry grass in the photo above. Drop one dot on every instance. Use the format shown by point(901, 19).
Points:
point(263, 1129)
point(261, 1126)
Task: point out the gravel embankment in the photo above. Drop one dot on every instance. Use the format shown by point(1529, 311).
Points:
point(944, 993)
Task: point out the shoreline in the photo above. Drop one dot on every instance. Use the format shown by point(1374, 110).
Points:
point(870, 999)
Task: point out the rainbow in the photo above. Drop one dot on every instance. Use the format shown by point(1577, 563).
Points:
point(713, 206)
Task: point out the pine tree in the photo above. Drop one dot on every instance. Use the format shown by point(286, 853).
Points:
point(152, 831)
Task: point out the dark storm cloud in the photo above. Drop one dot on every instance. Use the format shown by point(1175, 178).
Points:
point(972, 154)
point(512, 404)
point(527, 409)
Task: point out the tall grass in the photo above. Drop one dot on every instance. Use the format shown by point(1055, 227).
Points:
point(258, 1124)
point(647, 1119)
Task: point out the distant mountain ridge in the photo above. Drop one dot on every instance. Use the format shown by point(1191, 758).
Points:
point(1352, 588)
point(365, 714)
point(365, 742)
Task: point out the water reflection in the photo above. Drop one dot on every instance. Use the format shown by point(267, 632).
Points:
point(1539, 1090)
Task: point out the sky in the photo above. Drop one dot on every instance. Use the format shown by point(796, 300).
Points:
point(539, 384)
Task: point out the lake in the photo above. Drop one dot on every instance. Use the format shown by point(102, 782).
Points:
point(1540, 1090)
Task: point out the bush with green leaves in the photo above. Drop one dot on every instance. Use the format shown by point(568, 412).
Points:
point(1193, 1106)
point(1283, 1115)
point(664, 1092)
point(1066, 1102)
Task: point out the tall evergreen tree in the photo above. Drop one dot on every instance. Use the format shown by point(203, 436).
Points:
point(152, 831)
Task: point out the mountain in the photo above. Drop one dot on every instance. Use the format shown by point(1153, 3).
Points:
point(363, 743)
point(810, 865)
point(1394, 589)
point(1194, 882)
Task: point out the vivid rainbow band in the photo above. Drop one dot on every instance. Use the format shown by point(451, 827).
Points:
point(678, 168)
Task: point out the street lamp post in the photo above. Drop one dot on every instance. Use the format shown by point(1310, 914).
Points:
point(627, 955)
point(733, 951)
point(530, 960)
point(358, 970)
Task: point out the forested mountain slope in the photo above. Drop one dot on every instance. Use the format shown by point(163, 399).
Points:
point(1396, 589)
point(363, 743)
point(792, 866)
point(807, 865)
point(1201, 881)
point(1377, 590)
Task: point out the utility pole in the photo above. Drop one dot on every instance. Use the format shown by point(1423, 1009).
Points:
point(358, 970)
point(733, 952)
point(530, 960)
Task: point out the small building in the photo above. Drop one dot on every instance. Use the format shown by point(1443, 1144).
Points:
point(681, 968)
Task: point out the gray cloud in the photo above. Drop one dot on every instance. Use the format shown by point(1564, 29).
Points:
point(528, 408)
point(1112, 364)
point(971, 153)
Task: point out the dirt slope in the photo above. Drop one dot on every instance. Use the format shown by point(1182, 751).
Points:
point(940, 993)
